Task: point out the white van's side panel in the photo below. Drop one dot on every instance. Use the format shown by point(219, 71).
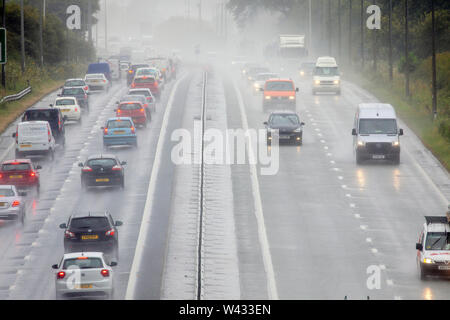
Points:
point(34, 137)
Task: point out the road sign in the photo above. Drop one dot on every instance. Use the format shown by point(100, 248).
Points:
point(2, 45)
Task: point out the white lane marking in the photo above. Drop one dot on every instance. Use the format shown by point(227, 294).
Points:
point(357, 216)
point(374, 250)
point(390, 282)
point(146, 217)
point(348, 195)
point(340, 177)
point(332, 162)
point(329, 154)
point(364, 227)
point(262, 233)
point(369, 240)
point(382, 267)
point(8, 150)
point(352, 205)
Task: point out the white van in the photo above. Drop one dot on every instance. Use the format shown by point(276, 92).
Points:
point(34, 138)
point(114, 66)
point(375, 133)
point(326, 76)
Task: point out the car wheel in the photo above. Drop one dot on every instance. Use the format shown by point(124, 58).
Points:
point(38, 188)
point(116, 253)
point(84, 185)
point(422, 274)
point(52, 154)
point(145, 124)
point(397, 159)
point(58, 296)
point(22, 217)
point(135, 144)
point(358, 158)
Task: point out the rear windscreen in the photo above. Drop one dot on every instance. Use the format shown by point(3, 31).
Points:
point(89, 223)
point(44, 115)
point(74, 83)
point(143, 92)
point(130, 106)
point(74, 91)
point(65, 102)
point(6, 193)
point(137, 66)
point(119, 124)
point(136, 97)
point(84, 263)
point(279, 86)
point(16, 167)
point(101, 163)
point(144, 80)
point(33, 130)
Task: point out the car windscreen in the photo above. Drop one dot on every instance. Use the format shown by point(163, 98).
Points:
point(74, 83)
point(377, 126)
point(16, 167)
point(44, 115)
point(119, 124)
point(83, 263)
point(130, 106)
point(326, 71)
point(6, 193)
point(136, 97)
point(284, 120)
point(89, 223)
point(101, 163)
point(143, 92)
point(279, 86)
point(73, 91)
point(65, 102)
point(144, 80)
point(437, 241)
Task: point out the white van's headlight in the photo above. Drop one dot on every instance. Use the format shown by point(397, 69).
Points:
point(316, 81)
point(267, 97)
point(361, 143)
point(291, 97)
point(428, 260)
point(336, 81)
point(395, 143)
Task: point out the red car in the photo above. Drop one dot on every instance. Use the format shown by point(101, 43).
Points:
point(20, 173)
point(133, 109)
point(147, 82)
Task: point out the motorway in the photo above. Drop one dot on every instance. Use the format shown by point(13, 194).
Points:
point(308, 232)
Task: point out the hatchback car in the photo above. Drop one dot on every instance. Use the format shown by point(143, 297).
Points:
point(279, 93)
point(91, 231)
point(142, 99)
point(69, 108)
point(97, 82)
point(12, 205)
point(21, 173)
point(79, 93)
point(148, 95)
point(84, 274)
point(132, 71)
point(102, 170)
point(289, 126)
point(135, 110)
point(119, 131)
point(70, 83)
point(148, 82)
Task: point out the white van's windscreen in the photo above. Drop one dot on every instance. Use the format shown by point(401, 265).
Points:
point(377, 126)
point(326, 71)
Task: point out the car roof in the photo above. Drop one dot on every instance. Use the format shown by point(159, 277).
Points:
point(119, 119)
point(140, 89)
point(98, 214)
point(17, 160)
point(88, 254)
point(78, 88)
point(376, 110)
point(66, 97)
point(46, 108)
point(102, 156)
point(280, 80)
point(284, 112)
point(95, 74)
point(130, 102)
point(145, 77)
point(27, 123)
point(75, 79)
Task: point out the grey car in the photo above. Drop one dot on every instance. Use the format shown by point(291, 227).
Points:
point(12, 204)
point(149, 105)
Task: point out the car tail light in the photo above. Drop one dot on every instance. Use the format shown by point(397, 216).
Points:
point(17, 134)
point(1, 176)
point(76, 109)
point(104, 81)
point(110, 233)
point(119, 111)
point(105, 273)
point(142, 110)
point(60, 275)
point(133, 130)
point(105, 131)
point(49, 135)
point(133, 85)
point(146, 105)
point(87, 169)
point(131, 71)
point(116, 168)
point(82, 258)
point(86, 88)
point(32, 174)
point(15, 203)
point(69, 235)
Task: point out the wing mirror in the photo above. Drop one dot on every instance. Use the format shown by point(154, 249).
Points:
point(51, 105)
point(302, 123)
point(59, 94)
point(118, 223)
point(113, 264)
point(400, 133)
point(55, 266)
point(80, 164)
point(419, 246)
point(123, 163)
point(13, 135)
point(296, 89)
point(38, 167)
point(63, 226)
point(265, 123)
point(354, 132)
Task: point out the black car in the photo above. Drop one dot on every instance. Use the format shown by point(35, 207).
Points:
point(132, 71)
point(307, 69)
point(102, 170)
point(92, 231)
point(53, 116)
point(290, 129)
point(77, 92)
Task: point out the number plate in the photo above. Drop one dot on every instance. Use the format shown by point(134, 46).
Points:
point(284, 136)
point(65, 110)
point(16, 177)
point(89, 237)
point(119, 132)
point(83, 286)
point(378, 156)
point(3, 204)
point(25, 145)
point(102, 180)
point(444, 267)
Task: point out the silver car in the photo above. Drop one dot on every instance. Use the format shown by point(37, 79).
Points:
point(12, 205)
point(84, 274)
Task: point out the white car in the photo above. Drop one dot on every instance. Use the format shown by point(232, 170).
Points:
point(155, 72)
point(84, 274)
point(12, 205)
point(97, 82)
point(69, 108)
point(433, 248)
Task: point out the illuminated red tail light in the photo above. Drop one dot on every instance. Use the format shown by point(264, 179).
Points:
point(133, 130)
point(110, 233)
point(86, 88)
point(105, 273)
point(142, 110)
point(116, 168)
point(16, 203)
point(32, 174)
point(1, 176)
point(105, 131)
point(60, 275)
point(133, 85)
point(69, 235)
point(87, 169)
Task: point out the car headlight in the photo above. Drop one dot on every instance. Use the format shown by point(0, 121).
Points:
point(256, 85)
point(291, 97)
point(302, 73)
point(361, 143)
point(336, 81)
point(267, 97)
point(243, 71)
point(395, 143)
point(428, 260)
point(316, 81)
